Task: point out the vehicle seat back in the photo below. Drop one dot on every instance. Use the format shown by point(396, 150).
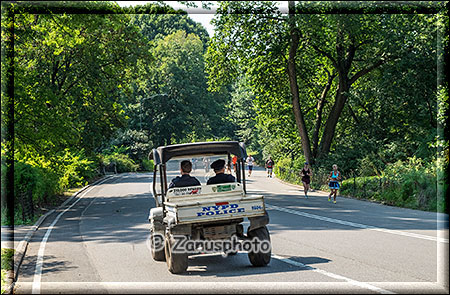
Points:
point(204, 190)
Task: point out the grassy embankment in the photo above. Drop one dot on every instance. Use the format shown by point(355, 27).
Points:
point(408, 184)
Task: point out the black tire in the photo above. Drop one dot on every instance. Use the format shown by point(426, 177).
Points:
point(176, 262)
point(260, 258)
point(157, 246)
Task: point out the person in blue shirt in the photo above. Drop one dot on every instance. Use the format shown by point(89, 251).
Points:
point(334, 178)
point(185, 179)
point(219, 168)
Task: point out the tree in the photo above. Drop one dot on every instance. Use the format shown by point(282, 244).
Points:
point(303, 58)
point(242, 112)
point(157, 26)
point(172, 104)
point(71, 72)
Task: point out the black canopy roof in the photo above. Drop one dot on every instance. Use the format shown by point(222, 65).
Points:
point(163, 154)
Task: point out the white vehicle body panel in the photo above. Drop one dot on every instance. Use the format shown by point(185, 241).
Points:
point(207, 203)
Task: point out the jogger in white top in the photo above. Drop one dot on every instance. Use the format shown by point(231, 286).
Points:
point(249, 161)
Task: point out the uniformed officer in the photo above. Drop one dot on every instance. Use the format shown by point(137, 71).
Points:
point(185, 179)
point(221, 177)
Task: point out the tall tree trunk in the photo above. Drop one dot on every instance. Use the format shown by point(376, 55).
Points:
point(339, 103)
point(342, 92)
point(320, 106)
point(343, 64)
point(292, 73)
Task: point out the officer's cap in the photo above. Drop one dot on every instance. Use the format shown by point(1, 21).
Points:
point(218, 164)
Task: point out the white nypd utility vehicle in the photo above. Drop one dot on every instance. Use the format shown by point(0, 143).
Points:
point(204, 212)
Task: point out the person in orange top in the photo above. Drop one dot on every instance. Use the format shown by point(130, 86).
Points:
point(234, 160)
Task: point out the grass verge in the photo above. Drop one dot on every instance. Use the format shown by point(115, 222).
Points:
point(7, 266)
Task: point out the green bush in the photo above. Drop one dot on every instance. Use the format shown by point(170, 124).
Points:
point(147, 165)
point(122, 161)
point(281, 167)
point(44, 178)
point(75, 169)
point(298, 163)
point(371, 164)
point(33, 186)
point(288, 170)
point(41, 182)
point(409, 184)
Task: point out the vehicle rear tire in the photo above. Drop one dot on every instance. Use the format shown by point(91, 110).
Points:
point(260, 258)
point(157, 247)
point(176, 262)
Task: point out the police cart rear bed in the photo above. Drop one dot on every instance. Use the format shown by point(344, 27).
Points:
point(212, 203)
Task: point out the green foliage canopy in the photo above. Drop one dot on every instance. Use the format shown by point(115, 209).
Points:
point(71, 71)
point(355, 75)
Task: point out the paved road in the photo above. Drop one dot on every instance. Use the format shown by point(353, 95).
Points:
point(100, 245)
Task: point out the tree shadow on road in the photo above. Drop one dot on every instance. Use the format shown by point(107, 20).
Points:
point(239, 265)
point(50, 265)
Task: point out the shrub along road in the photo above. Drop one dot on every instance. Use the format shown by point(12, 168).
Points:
point(100, 244)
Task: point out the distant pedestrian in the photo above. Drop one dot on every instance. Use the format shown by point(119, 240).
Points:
point(306, 178)
point(249, 161)
point(334, 178)
point(234, 161)
point(194, 164)
point(269, 166)
point(206, 162)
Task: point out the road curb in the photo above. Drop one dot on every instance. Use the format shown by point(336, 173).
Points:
point(20, 252)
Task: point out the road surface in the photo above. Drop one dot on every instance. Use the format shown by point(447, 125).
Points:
point(100, 245)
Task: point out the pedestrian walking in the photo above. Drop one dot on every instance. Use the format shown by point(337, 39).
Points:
point(249, 161)
point(269, 166)
point(306, 178)
point(206, 162)
point(234, 160)
point(194, 164)
point(334, 178)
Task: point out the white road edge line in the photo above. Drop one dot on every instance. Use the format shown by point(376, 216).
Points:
point(36, 288)
point(358, 225)
point(334, 276)
point(295, 263)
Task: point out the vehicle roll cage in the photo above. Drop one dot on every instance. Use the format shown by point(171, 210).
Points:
point(162, 154)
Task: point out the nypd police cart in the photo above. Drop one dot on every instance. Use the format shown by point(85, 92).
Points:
point(203, 212)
